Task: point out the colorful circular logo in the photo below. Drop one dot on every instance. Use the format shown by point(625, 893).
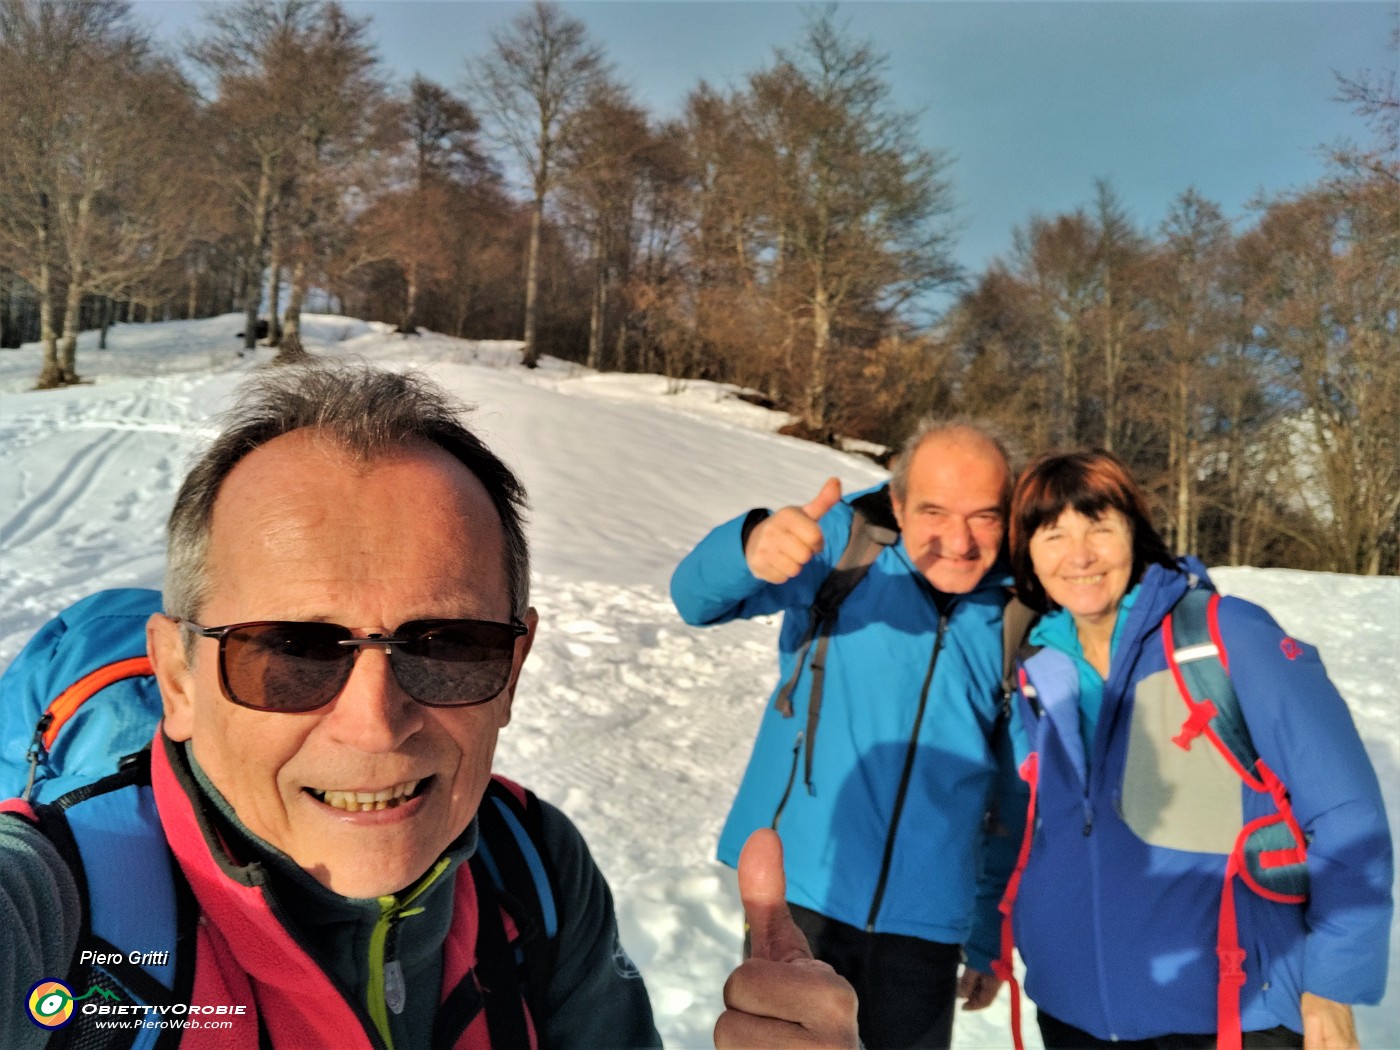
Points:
point(51, 1004)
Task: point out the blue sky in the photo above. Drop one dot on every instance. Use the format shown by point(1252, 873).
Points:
point(1032, 99)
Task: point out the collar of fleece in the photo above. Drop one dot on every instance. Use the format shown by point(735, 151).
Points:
point(267, 915)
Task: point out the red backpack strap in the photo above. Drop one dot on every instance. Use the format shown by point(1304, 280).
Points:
point(1230, 958)
point(1004, 967)
point(1270, 853)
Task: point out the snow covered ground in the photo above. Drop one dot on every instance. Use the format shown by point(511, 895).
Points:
point(635, 724)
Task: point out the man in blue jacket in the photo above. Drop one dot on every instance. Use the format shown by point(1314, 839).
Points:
point(893, 871)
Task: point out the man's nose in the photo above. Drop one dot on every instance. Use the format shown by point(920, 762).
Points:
point(373, 713)
point(958, 540)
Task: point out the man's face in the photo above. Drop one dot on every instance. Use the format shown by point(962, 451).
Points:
point(952, 517)
point(302, 532)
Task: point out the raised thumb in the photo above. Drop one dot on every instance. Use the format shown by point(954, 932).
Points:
point(828, 497)
point(763, 889)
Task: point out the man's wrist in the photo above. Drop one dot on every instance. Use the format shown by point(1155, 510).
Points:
point(753, 520)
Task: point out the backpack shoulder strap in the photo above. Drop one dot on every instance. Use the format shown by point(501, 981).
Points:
point(1200, 665)
point(497, 978)
point(1270, 854)
point(511, 851)
point(1016, 622)
point(873, 528)
point(111, 839)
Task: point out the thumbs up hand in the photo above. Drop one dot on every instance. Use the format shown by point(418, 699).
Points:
point(780, 996)
point(785, 541)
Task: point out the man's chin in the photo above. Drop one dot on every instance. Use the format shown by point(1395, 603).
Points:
point(952, 579)
point(377, 865)
point(364, 881)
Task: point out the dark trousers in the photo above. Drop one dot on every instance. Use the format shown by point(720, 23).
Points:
point(907, 986)
point(1059, 1036)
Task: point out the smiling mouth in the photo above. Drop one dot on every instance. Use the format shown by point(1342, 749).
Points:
point(364, 801)
point(1084, 581)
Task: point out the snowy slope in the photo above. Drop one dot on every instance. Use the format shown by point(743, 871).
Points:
point(637, 725)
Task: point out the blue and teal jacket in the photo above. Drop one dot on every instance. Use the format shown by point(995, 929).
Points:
point(910, 700)
point(1117, 914)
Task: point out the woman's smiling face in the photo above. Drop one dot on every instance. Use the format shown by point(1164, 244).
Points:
point(1085, 564)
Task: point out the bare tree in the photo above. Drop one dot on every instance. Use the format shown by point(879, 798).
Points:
point(344, 124)
point(1374, 96)
point(70, 69)
point(997, 330)
point(1196, 321)
point(127, 205)
point(539, 74)
point(1120, 260)
point(604, 164)
point(857, 205)
point(1055, 259)
point(296, 90)
point(1330, 293)
point(413, 225)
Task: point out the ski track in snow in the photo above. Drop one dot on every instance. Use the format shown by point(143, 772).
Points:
point(635, 724)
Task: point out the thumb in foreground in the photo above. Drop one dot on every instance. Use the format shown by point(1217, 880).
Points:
point(763, 888)
point(828, 497)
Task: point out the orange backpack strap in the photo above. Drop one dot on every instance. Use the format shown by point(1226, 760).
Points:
point(67, 703)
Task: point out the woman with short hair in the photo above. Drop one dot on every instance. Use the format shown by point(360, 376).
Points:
point(1131, 916)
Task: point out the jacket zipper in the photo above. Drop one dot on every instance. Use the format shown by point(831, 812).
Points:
point(391, 910)
point(904, 778)
point(792, 778)
point(1095, 771)
point(1095, 881)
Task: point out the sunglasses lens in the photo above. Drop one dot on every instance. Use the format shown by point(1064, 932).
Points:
point(286, 666)
point(450, 663)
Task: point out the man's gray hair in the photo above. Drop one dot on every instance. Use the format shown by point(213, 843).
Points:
point(933, 426)
point(368, 413)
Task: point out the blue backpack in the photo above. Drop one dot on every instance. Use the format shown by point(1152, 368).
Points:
point(1270, 854)
point(78, 710)
point(78, 697)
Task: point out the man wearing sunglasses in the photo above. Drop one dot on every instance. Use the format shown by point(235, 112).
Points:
point(346, 616)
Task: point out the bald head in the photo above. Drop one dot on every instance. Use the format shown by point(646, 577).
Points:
point(969, 438)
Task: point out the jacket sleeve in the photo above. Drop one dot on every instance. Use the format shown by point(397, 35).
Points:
point(713, 584)
point(1001, 843)
point(596, 996)
point(1301, 727)
point(39, 916)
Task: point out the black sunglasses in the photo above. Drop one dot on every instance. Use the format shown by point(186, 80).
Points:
point(300, 665)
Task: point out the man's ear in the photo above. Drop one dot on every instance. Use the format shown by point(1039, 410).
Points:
point(522, 650)
point(898, 509)
point(166, 648)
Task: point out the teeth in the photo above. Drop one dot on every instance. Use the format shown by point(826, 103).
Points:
point(358, 801)
point(1087, 581)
